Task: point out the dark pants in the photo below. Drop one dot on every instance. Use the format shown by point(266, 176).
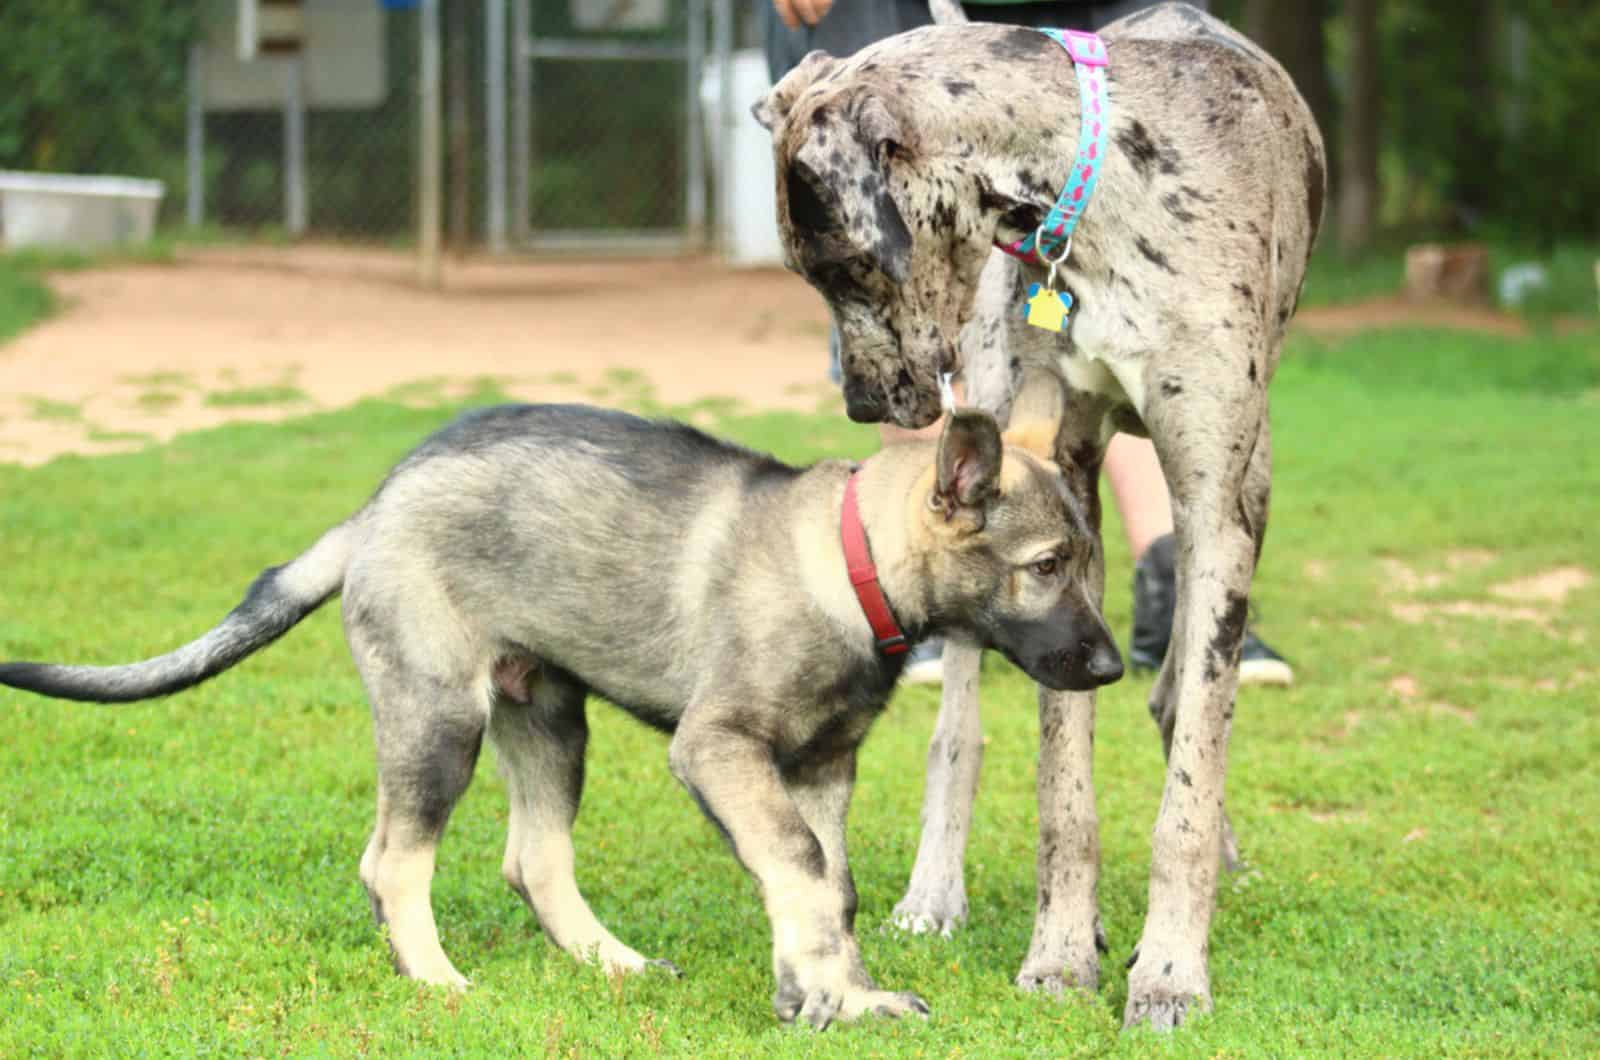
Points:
point(854, 24)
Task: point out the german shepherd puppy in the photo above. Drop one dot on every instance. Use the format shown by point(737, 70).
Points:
point(527, 555)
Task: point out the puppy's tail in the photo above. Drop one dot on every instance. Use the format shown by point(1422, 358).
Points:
point(278, 599)
point(946, 12)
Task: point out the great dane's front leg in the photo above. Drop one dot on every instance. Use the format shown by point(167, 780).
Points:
point(815, 956)
point(936, 897)
point(1067, 937)
point(1220, 515)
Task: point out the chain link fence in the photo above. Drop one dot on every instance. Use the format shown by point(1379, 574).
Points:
point(587, 130)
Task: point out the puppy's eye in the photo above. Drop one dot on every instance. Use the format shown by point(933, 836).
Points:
point(1046, 567)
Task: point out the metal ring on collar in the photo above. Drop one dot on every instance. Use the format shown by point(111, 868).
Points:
point(1038, 248)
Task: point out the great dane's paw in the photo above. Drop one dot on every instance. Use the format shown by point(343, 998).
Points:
point(1165, 990)
point(921, 913)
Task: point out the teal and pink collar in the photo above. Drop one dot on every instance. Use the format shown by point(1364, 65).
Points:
point(1053, 240)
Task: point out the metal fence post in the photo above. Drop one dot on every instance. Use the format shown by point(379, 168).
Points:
point(430, 154)
point(722, 128)
point(294, 146)
point(694, 167)
point(494, 105)
point(195, 144)
point(521, 118)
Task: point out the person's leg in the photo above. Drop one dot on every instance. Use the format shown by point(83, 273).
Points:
point(1140, 490)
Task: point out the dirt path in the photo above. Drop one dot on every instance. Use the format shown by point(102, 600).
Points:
point(147, 352)
point(150, 351)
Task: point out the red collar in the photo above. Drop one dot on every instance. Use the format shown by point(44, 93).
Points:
point(864, 576)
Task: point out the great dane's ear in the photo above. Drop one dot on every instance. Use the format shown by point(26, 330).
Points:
point(1036, 411)
point(852, 146)
point(968, 464)
point(772, 110)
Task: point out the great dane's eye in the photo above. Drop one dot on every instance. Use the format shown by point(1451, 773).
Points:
point(1046, 566)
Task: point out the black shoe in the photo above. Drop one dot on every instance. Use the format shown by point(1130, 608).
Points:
point(1155, 600)
point(1260, 665)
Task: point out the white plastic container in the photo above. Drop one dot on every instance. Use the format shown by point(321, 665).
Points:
point(77, 212)
point(747, 209)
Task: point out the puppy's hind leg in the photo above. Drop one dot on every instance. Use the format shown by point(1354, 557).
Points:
point(428, 737)
point(936, 898)
point(541, 745)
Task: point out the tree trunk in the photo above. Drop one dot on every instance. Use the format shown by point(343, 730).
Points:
point(460, 143)
point(1477, 177)
point(1358, 170)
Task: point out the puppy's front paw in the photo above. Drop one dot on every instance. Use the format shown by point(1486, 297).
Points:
point(1054, 979)
point(823, 1006)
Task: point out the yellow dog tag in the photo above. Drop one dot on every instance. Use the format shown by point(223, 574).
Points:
point(1046, 307)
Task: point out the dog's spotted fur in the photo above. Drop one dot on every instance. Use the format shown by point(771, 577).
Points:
point(899, 168)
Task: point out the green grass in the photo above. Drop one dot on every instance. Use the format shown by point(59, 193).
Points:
point(50, 409)
point(256, 396)
point(158, 400)
point(25, 299)
point(180, 876)
point(158, 379)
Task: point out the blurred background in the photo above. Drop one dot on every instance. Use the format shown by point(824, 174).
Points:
point(249, 196)
point(600, 122)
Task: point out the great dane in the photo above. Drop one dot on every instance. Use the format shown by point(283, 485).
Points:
point(900, 169)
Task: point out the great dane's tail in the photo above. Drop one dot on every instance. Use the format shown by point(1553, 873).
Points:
point(278, 599)
point(946, 12)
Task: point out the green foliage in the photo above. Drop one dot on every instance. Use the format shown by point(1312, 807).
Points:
point(1470, 144)
point(93, 86)
point(179, 876)
point(1551, 182)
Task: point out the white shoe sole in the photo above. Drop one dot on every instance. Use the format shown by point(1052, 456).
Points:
point(1266, 672)
point(924, 672)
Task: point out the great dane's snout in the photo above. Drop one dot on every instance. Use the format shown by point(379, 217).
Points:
point(863, 403)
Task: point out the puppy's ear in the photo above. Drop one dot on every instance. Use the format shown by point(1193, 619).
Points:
point(772, 110)
point(968, 464)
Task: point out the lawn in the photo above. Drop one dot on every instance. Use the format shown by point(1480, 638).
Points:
point(1420, 812)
